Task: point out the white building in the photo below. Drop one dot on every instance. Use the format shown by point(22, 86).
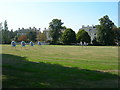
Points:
point(23, 31)
point(46, 32)
point(91, 30)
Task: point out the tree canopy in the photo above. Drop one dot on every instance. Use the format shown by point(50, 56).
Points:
point(116, 34)
point(105, 34)
point(5, 34)
point(41, 37)
point(55, 29)
point(83, 36)
point(69, 36)
point(22, 38)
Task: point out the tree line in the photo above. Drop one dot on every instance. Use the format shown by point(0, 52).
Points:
point(6, 36)
point(107, 34)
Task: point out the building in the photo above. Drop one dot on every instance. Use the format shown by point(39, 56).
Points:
point(91, 30)
point(46, 32)
point(23, 31)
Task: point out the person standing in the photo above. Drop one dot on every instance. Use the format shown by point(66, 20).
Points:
point(31, 43)
point(39, 43)
point(23, 43)
point(13, 44)
point(81, 43)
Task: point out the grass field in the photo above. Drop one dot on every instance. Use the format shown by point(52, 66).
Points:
point(50, 66)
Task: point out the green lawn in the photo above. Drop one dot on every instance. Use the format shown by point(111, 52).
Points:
point(51, 66)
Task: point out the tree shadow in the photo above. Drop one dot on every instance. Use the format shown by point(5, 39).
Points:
point(18, 72)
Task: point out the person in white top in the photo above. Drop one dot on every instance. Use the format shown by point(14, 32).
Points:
point(23, 44)
point(31, 43)
point(39, 43)
point(85, 44)
point(13, 44)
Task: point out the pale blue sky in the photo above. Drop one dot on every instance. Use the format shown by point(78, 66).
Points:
point(73, 14)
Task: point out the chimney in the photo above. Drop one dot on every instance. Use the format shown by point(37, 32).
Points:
point(30, 28)
point(83, 26)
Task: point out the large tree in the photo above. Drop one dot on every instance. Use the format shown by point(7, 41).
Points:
point(83, 36)
point(55, 30)
point(5, 34)
point(1, 33)
point(69, 36)
point(105, 34)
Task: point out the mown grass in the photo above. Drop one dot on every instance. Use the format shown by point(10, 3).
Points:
point(51, 66)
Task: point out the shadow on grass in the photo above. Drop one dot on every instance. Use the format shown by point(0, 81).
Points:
point(18, 72)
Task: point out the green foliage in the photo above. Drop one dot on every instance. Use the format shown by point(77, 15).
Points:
point(55, 30)
point(116, 34)
point(22, 38)
point(13, 34)
point(16, 38)
point(83, 36)
point(94, 41)
point(5, 34)
point(0, 36)
point(105, 34)
point(69, 36)
point(41, 36)
point(5, 26)
point(32, 36)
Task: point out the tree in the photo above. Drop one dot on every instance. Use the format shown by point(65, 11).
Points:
point(1, 26)
point(12, 34)
point(94, 41)
point(105, 34)
point(41, 37)
point(69, 36)
point(5, 34)
point(116, 34)
point(83, 36)
point(22, 38)
point(5, 26)
point(1, 33)
point(55, 30)
point(32, 36)
point(16, 38)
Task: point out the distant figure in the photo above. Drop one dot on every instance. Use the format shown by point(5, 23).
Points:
point(31, 43)
point(81, 43)
point(85, 44)
point(39, 43)
point(23, 44)
point(117, 43)
point(13, 44)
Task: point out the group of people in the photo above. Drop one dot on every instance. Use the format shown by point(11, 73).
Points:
point(83, 43)
point(13, 43)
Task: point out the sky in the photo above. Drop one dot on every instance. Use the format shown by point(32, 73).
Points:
point(36, 13)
